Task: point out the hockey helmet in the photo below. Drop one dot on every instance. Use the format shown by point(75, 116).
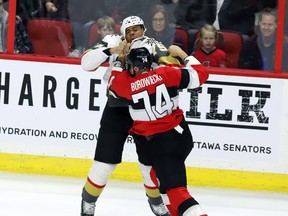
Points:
point(138, 59)
point(131, 21)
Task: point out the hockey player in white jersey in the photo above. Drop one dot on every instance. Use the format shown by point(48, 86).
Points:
point(116, 121)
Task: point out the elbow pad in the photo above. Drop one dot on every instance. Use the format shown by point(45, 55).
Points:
point(93, 59)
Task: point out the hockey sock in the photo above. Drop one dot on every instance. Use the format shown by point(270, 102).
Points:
point(151, 184)
point(150, 181)
point(180, 199)
point(96, 180)
point(91, 191)
point(194, 210)
point(173, 211)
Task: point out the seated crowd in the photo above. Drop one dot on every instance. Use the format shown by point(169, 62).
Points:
point(203, 23)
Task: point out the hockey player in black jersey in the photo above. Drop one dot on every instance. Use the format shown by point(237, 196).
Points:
point(116, 121)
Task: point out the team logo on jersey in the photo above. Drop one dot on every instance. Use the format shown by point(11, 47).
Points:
point(150, 41)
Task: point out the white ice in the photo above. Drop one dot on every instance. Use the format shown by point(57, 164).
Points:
point(35, 195)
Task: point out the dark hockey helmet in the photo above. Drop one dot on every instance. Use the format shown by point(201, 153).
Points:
point(138, 59)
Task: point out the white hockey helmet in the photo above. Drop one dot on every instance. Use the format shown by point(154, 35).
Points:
point(131, 21)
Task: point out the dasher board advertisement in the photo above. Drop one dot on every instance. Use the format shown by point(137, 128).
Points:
point(55, 109)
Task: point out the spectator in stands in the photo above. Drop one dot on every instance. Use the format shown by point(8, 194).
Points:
point(286, 21)
point(29, 9)
point(119, 9)
point(206, 51)
point(195, 14)
point(158, 26)
point(233, 15)
point(259, 52)
point(170, 8)
point(80, 12)
point(106, 26)
point(239, 15)
point(22, 43)
point(56, 9)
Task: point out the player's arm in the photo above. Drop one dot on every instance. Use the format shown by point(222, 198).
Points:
point(161, 56)
point(116, 89)
point(92, 58)
point(158, 50)
point(100, 53)
point(194, 73)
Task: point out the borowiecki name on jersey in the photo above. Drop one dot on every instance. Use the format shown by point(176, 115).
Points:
point(142, 83)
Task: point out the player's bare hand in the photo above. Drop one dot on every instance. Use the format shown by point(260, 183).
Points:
point(126, 49)
point(174, 50)
point(121, 48)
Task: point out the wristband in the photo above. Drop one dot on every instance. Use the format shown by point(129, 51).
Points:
point(117, 63)
point(186, 60)
point(107, 52)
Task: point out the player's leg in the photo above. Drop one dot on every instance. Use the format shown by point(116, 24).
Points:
point(170, 152)
point(149, 178)
point(114, 126)
point(95, 183)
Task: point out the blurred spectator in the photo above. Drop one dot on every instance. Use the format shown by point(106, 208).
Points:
point(158, 26)
point(195, 13)
point(259, 52)
point(239, 15)
point(170, 8)
point(106, 26)
point(286, 21)
point(22, 43)
point(205, 50)
point(29, 9)
point(233, 15)
point(56, 9)
point(80, 12)
point(120, 9)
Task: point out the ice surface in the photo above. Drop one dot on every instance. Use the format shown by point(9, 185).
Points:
point(35, 195)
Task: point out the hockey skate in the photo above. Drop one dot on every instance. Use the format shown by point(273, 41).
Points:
point(87, 209)
point(159, 210)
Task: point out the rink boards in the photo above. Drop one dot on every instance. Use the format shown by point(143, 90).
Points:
point(50, 117)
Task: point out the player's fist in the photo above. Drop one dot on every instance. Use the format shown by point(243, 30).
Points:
point(176, 51)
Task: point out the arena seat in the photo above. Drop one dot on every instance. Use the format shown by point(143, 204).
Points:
point(79, 35)
point(182, 39)
point(192, 36)
point(231, 43)
point(91, 33)
point(50, 37)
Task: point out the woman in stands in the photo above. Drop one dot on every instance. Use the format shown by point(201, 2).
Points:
point(158, 27)
point(206, 51)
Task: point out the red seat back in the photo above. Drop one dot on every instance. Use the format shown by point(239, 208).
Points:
point(93, 36)
point(91, 29)
point(50, 37)
point(182, 38)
